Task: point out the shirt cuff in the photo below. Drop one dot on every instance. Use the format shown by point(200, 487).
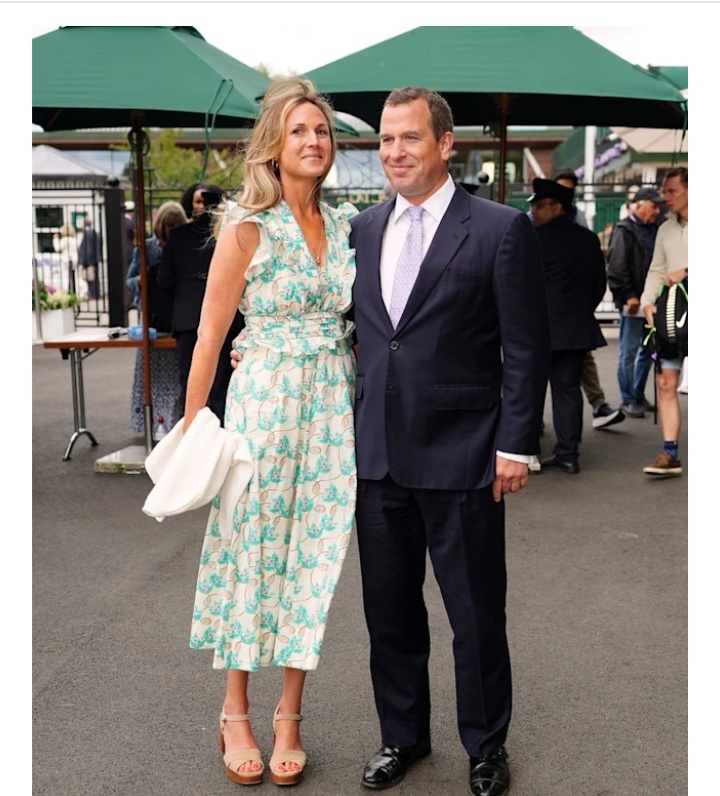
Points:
point(515, 457)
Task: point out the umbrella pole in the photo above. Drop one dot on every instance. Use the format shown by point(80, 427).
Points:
point(503, 106)
point(138, 138)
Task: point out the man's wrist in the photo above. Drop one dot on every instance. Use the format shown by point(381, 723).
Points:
point(515, 457)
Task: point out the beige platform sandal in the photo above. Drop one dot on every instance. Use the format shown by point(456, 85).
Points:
point(233, 760)
point(286, 755)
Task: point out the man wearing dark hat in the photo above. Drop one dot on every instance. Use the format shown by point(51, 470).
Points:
point(629, 257)
point(604, 415)
point(574, 284)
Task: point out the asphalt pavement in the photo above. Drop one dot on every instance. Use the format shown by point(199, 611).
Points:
point(597, 622)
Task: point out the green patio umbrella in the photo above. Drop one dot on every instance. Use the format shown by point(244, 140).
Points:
point(675, 75)
point(656, 140)
point(141, 76)
point(497, 76)
point(99, 76)
point(168, 76)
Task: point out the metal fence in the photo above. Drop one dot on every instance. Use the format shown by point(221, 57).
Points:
point(64, 219)
point(79, 246)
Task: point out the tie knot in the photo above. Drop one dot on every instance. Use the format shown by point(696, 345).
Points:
point(415, 214)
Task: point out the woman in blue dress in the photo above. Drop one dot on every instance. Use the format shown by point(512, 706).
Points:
point(265, 584)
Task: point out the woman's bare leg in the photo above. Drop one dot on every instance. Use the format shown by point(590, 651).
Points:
point(238, 734)
point(288, 732)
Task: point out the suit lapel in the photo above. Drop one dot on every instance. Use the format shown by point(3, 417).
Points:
point(373, 250)
point(449, 235)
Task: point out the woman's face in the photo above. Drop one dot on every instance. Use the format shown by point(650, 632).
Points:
point(198, 205)
point(307, 147)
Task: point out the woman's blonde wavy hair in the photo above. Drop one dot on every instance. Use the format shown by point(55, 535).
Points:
point(261, 186)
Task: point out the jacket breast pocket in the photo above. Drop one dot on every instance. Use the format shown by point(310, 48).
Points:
point(467, 397)
point(466, 276)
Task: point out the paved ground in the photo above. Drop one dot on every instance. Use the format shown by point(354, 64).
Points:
point(597, 613)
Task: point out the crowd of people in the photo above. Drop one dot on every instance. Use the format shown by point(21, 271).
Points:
point(390, 379)
point(178, 255)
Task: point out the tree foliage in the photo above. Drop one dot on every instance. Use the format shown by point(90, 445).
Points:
point(169, 165)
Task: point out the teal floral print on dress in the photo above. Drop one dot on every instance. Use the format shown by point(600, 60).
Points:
point(264, 590)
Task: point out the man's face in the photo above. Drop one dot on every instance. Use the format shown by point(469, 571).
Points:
point(543, 211)
point(414, 161)
point(675, 195)
point(647, 211)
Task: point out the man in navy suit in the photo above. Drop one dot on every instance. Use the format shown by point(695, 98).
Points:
point(450, 390)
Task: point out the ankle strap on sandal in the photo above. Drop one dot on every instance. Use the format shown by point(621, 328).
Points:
point(288, 717)
point(226, 717)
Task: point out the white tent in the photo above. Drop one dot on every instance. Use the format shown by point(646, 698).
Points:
point(50, 162)
point(646, 140)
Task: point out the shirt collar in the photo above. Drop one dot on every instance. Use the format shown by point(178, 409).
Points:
point(673, 216)
point(435, 205)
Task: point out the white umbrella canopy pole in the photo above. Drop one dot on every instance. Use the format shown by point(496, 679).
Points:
point(589, 175)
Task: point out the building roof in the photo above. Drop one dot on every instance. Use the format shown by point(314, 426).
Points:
point(50, 162)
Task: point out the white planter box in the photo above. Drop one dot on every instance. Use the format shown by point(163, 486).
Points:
point(55, 323)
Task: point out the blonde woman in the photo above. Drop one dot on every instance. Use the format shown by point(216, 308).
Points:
point(265, 585)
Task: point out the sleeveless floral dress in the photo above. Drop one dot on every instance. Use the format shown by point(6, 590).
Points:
point(265, 585)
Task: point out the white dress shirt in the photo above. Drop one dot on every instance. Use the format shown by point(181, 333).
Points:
point(396, 231)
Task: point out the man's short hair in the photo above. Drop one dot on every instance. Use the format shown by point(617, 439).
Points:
point(678, 171)
point(441, 118)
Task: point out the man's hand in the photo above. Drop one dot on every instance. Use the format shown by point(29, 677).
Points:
point(235, 355)
point(675, 276)
point(649, 311)
point(510, 476)
point(633, 305)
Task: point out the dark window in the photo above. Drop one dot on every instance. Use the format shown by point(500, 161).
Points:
point(45, 242)
point(52, 217)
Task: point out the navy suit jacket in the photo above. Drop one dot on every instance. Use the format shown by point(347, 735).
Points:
point(465, 372)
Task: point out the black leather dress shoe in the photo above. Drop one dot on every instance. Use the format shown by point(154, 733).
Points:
point(564, 465)
point(388, 765)
point(490, 775)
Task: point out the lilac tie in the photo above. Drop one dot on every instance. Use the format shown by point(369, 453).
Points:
point(408, 265)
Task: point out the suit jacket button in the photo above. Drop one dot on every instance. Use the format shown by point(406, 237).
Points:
point(394, 345)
